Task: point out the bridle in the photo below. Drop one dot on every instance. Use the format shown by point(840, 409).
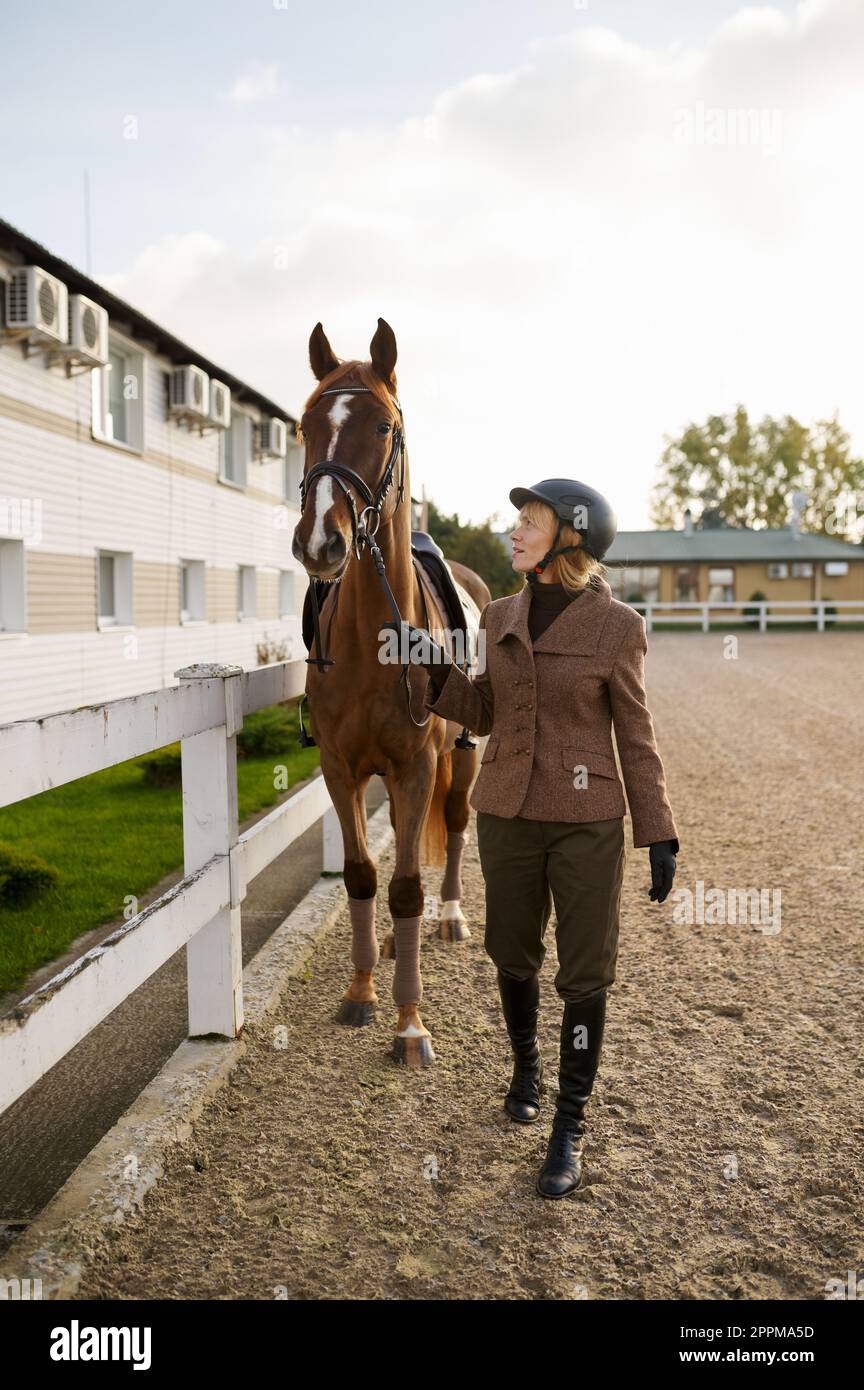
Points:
point(342, 474)
point(364, 528)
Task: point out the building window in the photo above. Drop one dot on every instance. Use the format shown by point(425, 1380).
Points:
point(292, 472)
point(114, 588)
point(636, 583)
point(13, 598)
point(246, 592)
point(834, 568)
point(193, 592)
point(118, 397)
point(721, 586)
point(687, 584)
point(292, 589)
point(779, 570)
point(235, 449)
point(802, 569)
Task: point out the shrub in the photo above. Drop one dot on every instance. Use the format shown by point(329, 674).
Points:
point(162, 767)
point(751, 615)
point(23, 875)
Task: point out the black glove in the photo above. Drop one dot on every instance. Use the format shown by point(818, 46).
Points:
point(663, 865)
point(422, 649)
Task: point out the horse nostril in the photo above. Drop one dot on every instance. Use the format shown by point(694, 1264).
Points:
point(336, 549)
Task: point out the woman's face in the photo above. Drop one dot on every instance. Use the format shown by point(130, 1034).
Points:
point(530, 543)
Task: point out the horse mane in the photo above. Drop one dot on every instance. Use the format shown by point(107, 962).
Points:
point(361, 374)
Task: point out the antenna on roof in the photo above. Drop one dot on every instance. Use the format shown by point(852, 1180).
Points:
point(88, 253)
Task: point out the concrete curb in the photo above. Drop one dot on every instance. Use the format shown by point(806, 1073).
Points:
point(113, 1180)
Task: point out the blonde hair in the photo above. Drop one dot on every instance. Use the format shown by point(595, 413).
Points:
point(577, 568)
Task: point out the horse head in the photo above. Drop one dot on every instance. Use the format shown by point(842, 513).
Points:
point(354, 468)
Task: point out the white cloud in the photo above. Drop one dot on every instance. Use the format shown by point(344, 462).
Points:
point(567, 281)
point(258, 82)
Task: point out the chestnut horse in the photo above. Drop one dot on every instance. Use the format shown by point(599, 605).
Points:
point(366, 713)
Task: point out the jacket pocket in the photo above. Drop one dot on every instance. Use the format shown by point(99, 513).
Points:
point(491, 749)
point(597, 763)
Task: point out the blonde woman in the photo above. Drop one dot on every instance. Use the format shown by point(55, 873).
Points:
point(564, 664)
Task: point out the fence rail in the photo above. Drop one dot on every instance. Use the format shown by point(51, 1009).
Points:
point(205, 713)
point(758, 612)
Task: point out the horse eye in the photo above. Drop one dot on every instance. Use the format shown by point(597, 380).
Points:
point(383, 428)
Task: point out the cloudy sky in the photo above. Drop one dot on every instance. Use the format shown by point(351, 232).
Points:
point(587, 223)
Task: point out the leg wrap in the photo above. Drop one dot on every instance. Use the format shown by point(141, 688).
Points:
point(364, 942)
point(451, 887)
point(407, 988)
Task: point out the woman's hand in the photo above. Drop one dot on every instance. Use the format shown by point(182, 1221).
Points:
point(663, 865)
point(418, 646)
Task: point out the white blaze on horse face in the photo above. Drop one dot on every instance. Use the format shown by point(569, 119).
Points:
point(323, 500)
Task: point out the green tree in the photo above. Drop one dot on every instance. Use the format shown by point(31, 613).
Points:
point(730, 471)
point(477, 547)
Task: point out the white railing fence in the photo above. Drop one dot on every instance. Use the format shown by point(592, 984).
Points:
point(205, 713)
point(757, 612)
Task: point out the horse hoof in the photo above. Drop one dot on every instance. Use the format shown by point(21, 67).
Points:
point(453, 930)
point(413, 1051)
point(388, 947)
point(356, 1013)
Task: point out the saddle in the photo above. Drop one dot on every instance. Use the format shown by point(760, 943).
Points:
point(433, 572)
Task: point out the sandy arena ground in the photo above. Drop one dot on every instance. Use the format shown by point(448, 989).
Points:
point(724, 1157)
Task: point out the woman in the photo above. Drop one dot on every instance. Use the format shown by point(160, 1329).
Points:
point(564, 662)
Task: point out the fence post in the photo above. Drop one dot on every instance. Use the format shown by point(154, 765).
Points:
point(706, 625)
point(820, 617)
point(214, 958)
point(763, 617)
point(649, 627)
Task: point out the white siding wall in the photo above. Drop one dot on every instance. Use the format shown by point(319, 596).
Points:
point(97, 496)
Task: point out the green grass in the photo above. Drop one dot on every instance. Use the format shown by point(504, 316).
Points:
point(111, 837)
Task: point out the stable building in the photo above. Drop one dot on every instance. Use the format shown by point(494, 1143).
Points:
point(147, 499)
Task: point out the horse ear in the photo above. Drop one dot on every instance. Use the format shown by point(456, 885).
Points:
point(382, 352)
point(322, 358)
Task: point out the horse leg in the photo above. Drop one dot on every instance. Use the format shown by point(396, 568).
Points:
point(388, 944)
point(412, 792)
point(361, 885)
point(452, 925)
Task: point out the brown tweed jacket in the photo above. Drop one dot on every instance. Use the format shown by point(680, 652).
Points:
point(549, 709)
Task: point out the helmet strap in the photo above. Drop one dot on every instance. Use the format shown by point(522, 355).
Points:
point(551, 554)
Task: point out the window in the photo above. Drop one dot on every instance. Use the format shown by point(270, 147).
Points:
point(687, 584)
point(292, 472)
point(292, 591)
point(235, 449)
point(780, 570)
point(114, 589)
point(193, 592)
point(245, 592)
point(721, 586)
point(636, 584)
point(802, 569)
point(13, 606)
point(834, 568)
point(118, 397)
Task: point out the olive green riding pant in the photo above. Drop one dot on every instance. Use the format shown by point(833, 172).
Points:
point(528, 865)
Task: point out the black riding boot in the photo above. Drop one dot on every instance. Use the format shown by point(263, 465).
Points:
point(581, 1041)
point(520, 1000)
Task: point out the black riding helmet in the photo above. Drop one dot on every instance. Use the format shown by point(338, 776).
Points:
point(596, 524)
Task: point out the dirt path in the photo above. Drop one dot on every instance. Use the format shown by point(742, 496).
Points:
point(726, 1125)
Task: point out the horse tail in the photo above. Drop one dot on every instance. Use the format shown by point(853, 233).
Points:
point(435, 829)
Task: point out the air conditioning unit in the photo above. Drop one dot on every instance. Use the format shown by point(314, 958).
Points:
point(88, 332)
point(220, 404)
point(36, 306)
point(189, 395)
point(274, 438)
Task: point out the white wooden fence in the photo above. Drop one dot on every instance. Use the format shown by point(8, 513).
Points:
point(205, 712)
point(758, 612)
